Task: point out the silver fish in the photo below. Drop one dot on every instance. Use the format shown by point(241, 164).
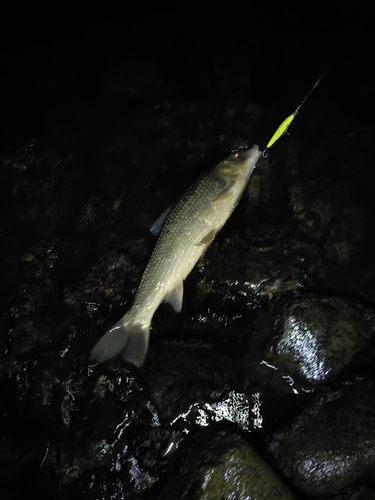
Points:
point(189, 228)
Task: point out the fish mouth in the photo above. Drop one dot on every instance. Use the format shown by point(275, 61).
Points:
point(252, 153)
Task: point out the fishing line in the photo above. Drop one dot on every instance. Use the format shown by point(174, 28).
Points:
point(283, 128)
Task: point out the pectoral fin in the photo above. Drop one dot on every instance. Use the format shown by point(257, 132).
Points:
point(208, 239)
point(175, 296)
point(227, 191)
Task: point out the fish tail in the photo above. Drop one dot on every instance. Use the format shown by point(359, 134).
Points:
point(125, 339)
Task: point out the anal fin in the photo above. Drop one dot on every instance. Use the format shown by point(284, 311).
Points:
point(175, 296)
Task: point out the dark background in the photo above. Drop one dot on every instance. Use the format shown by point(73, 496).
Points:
point(47, 58)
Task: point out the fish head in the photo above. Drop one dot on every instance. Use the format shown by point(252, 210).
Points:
point(239, 164)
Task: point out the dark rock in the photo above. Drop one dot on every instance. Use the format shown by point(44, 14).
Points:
point(358, 492)
point(319, 337)
point(222, 465)
point(331, 443)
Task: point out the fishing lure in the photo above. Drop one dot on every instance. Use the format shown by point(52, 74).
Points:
point(283, 128)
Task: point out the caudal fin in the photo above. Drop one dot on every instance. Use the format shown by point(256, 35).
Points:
point(128, 341)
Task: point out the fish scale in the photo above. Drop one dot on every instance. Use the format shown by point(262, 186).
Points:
point(189, 228)
point(178, 248)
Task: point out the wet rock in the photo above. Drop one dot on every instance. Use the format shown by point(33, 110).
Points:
point(184, 377)
point(222, 465)
point(319, 337)
point(88, 215)
point(363, 363)
point(238, 274)
point(359, 492)
point(331, 443)
point(44, 188)
point(114, 430)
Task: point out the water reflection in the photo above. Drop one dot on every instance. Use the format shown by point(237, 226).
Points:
point(237, 408)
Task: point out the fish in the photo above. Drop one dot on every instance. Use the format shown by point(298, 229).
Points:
point(189, 228)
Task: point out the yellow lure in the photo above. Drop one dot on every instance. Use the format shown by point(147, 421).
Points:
point(282, 129)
